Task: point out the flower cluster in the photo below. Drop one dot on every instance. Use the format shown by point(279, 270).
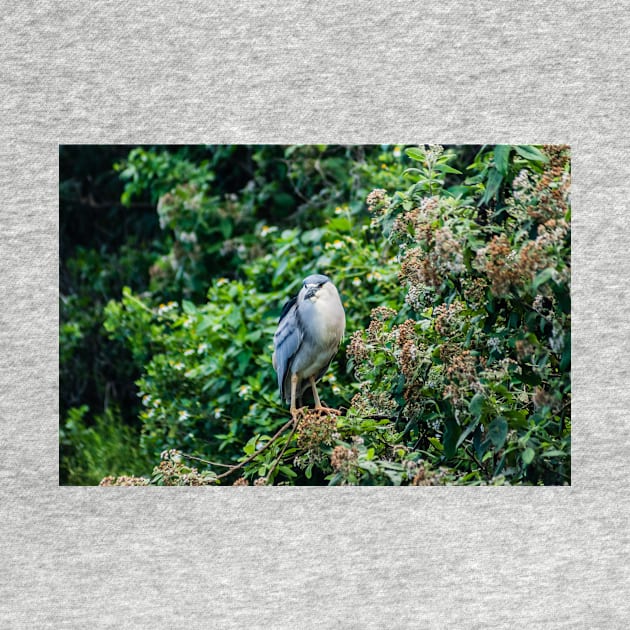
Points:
point(409, 356)
point(544, 196)
point(541, 398)
point(369, 402)
point(344, 459)
point(366, 348)
point(315, 429)
point(417, 297)
point(506, 267)
point(460, 371)
point(425, 476)
point(521, 186)
point(173, 471)
point(441, 255)
point(475, 292)
point(357, 349)
point(361, 344)
point(377, 201)
point(446, 318)
point(550, 196)
point(124, 480)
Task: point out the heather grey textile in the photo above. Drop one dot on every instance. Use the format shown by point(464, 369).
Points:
point(340, 72)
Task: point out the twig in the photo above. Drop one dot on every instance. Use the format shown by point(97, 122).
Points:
point(284, 448)
point(480, 464)
point(257, 453)
point(366, 417)
point(377, 417)
point(205, 461)
point(561, 414)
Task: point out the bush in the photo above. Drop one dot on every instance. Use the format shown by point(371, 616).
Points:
point(212, 203)
point(105, 446)
point(479, 370)
point(455, 276)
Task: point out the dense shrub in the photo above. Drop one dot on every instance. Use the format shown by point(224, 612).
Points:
point(454, 269)
point(479, 370)
point(214, 360)
point(103, 447)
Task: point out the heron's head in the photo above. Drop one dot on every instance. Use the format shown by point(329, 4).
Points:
point(314, 285)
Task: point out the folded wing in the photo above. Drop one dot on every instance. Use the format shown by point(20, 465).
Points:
point(286, 343)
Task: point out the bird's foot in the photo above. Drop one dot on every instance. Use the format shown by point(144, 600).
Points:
point(297, 413)
point(327, 410)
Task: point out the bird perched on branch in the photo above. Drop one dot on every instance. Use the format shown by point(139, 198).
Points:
point(309, 333)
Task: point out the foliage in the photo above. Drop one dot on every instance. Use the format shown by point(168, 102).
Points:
point(480, 369)
point(454, 270)
point(111, 236)
point(105, 447)
point(214, 360)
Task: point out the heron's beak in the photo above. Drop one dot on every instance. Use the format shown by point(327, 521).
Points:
point(311, 291)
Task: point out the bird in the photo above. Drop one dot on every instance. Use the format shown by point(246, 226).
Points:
point(310, 329)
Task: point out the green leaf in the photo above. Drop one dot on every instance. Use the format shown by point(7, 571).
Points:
point(492, 186)
point(542, 277)
point(528, 376)
point(528, 456)
point(189, 307)
point(476, 404)
point(415, 154)
point(243, 359)
point(226, 228)
point(554, 453)
point(466, 433)
point(436, 444)
point(497, 432)
point(335, 479)
point(479, 444)
point(531, 153)
point(233, 319)
point(449, 439)
point(315, 235)
point(205, 323)
point(368, 466)
point(445, 168)
point(288, 472)
point(501, 157)
point(412, 170)
point(565, 362)
point(338, 224)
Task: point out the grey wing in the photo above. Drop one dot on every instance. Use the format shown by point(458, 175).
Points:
point(286, 343)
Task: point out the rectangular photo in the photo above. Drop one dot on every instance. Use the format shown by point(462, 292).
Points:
point(254, 315)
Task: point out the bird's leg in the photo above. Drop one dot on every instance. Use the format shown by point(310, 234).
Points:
point(318, 402)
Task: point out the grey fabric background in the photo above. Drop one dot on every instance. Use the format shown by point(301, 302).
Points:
point(341, 72)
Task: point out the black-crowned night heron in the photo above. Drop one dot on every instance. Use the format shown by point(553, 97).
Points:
point(309, 332)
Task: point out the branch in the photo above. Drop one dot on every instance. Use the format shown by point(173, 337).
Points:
point(482, 467)
point(257, 453)
point(284, 448)
point(205, 461)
